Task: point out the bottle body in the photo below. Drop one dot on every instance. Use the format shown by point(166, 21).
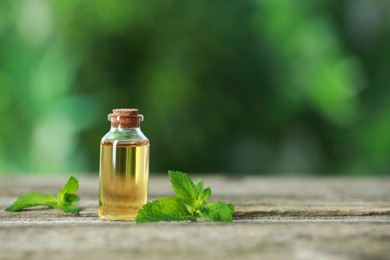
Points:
point(123, 173)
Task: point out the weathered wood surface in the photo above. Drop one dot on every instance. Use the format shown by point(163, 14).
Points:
point(276, 218)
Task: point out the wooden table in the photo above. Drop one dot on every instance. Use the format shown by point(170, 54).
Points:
point(275, 218)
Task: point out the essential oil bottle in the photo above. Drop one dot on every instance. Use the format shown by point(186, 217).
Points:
point(124, 167)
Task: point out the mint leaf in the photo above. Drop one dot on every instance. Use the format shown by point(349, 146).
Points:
point(71, 198)
point(199, 186)
point(66, 196)
point(184, 188)
point(204, 195)
point(218, 211)
point(188, 205)
point(31, 200)
point(64, 199)
point(164, 209)
point(69, 208)
point(71, 186)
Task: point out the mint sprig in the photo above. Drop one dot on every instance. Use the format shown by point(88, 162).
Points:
point(164, 209)
point(64, 200)
point(189, 204)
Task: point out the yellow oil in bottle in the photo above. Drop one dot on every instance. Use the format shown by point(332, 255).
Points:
point(123, 186)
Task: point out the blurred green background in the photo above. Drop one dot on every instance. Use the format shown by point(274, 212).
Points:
point(226, 86)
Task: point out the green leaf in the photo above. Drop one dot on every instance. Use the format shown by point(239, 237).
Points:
point(164, 209)
point(71, 198)
point(204, 196)
point(66, 196)
point(33, 199)
point(70, 208)
point(218, 211)
point(64, 199)
point(184, 188)
point(231, 206)
point(199, 186)
point(71, 186)
point(188, 204)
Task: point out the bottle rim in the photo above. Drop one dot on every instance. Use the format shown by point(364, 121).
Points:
point(115, 118)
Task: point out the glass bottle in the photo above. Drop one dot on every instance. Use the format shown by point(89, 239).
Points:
point(124, 167)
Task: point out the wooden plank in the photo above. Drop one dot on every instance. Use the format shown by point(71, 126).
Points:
point(278, 218)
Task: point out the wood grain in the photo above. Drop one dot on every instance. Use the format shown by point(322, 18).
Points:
point(275, 218)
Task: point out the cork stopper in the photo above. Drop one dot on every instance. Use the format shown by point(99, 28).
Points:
point(125, 111)
point(125, 117)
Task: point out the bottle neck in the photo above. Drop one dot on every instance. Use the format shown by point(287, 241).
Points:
point(120, 127)
point(125, 134)
point(125, 121)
